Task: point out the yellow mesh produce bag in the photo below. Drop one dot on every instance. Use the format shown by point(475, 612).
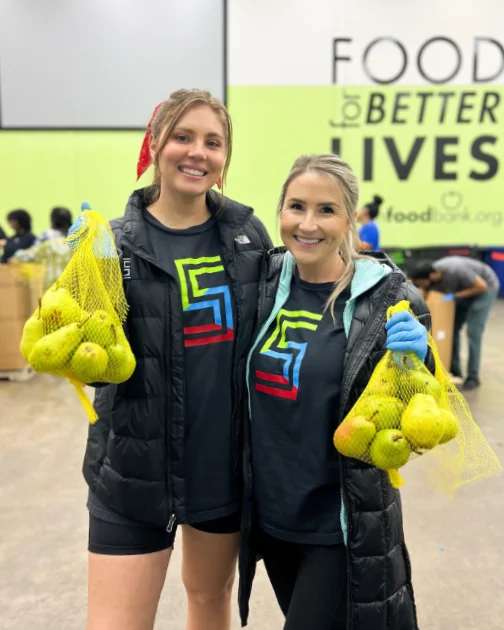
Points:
point(76, 331)
point(406, 412)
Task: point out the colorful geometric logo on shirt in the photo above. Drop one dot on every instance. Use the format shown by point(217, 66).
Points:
point(216, 300)
point(290, 352)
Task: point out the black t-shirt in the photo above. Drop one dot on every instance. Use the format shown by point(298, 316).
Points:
point(20, 241)
point(193, 258)
point(296, 373)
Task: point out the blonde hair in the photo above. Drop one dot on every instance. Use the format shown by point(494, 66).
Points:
point(168, 116)
point(345, 178)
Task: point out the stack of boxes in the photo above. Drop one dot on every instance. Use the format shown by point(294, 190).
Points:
point(443, 320)
point(18, 300)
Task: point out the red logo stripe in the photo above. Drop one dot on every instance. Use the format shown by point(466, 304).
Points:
point(291, 394)
point(229, 336)
point(273, 378)
point(193, 330)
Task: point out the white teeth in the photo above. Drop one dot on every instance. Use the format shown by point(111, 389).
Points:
point(191, 171)
point(308, 241)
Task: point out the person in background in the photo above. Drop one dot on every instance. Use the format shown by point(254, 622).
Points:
point(61, 221)
point(329, 528)
point(50, 248)
point(369, 234)
point(474, 286)
point(20, 221)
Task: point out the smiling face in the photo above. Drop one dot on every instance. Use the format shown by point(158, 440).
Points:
point(193, 158)
point(314, 222)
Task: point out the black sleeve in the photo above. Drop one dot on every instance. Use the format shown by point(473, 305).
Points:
point(264, 237)
point(409, 292)
point(9, 250)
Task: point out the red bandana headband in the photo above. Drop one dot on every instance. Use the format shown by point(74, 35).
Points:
point(144, 159)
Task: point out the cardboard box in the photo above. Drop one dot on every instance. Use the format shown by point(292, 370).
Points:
point(443, 320)
point(10, 338)
point(14, 302)
point(7, 278)
point(18, 300)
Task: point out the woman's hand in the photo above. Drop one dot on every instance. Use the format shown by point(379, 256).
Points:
point(404, 333)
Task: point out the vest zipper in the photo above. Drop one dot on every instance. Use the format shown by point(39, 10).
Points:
point(171, 523)
point(168, 409)
point(236, 287)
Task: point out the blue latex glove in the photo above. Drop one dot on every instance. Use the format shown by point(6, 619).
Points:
point(449, 297)
point(103, 244)
point(72, 241)
point(405, 333)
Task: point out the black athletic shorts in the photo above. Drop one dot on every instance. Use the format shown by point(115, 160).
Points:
point(128, 540)
point(112, 534)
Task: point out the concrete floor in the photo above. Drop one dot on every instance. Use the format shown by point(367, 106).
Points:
point(457, 547)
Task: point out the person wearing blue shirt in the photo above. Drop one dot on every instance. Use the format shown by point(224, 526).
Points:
point(369, 234)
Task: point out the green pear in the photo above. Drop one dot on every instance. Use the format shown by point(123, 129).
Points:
point(389, 449)
point(384, 411)
point(99, 328)
point(422, 423)
point(353, 436)
point(121, 364)
point(52, 352)
point(58, 308)
point(386, 383)
point(33, 331)
point(450, 426)
point(89, 362)
point(422, 382)
point(406, 360)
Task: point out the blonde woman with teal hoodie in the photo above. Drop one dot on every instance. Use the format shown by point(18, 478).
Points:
point(329, 528)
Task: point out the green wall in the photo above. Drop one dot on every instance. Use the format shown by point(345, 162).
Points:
point(274, 125)
point(43, 169)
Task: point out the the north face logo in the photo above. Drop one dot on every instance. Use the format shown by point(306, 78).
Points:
point(127, 268)
point(242, 239)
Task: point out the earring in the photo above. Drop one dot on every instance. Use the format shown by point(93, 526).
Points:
point(219, 183)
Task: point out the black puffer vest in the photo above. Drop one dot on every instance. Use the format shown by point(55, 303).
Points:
point(134, 461)
point(380, 592)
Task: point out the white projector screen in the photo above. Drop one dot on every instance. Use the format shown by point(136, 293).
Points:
point(104, 64)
